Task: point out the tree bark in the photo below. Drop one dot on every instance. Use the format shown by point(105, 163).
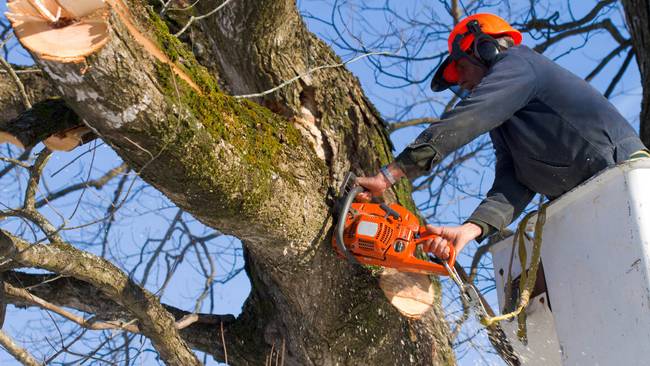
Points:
point(267, 178)
point(37, 86)
point(637, 14)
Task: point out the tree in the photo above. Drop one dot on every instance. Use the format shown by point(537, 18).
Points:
point(265, 175)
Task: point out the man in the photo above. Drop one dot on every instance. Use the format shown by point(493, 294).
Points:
point(550, 129)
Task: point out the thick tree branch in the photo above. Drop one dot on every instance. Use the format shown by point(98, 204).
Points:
point(637, 14)
point(154, 321)
point(44, 119)
point(201, 331)
point(37, 87)
point(17, 351)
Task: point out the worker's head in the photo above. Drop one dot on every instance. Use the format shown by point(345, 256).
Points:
point(474, 44)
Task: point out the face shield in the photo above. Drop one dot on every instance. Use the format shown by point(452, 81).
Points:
point(446, 77)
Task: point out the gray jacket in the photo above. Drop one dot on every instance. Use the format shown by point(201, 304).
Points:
point(550, 131)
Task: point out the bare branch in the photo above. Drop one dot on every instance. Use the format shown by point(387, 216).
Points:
point(154, 321)
point(95, 183)
point(607, 59)
point(619, 74)
point(17, 351)
point(19, 84)
point(411, 122)
point(193, 18)
point(310, 71)
point(26, 296)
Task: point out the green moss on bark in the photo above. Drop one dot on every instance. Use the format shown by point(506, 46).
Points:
point(259, 137)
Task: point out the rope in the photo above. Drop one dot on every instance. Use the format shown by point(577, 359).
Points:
point(528, 277)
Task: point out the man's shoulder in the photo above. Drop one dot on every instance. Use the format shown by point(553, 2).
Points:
point(522, 52)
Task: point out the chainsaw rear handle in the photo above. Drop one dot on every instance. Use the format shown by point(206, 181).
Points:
point(340, 224)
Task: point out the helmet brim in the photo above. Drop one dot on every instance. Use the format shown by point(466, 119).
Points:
point(446, 75)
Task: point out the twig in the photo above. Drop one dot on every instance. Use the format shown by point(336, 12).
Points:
point(15, 162)
point(27, 71)
point(193, 18)
point(333, 66)
point(97, 184)
point(619, 74)
point(223, 342)
point(21, 88)
point(412, 122)
point(88, 324)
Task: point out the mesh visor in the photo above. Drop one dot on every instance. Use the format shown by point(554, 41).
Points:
point(439, 82)
point(447, 74)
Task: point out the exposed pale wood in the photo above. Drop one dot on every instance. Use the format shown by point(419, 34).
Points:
point(410, 293)
point(55, 34)
point(67, 140)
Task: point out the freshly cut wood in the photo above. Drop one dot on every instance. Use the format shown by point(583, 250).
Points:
point(411, 293)
point(63, 31)
point(80, 9)
point(66, 140)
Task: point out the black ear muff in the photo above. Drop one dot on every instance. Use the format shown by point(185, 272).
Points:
point(486, 48)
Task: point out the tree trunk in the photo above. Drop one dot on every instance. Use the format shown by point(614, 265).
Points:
point(637, 14)
point(266, 176)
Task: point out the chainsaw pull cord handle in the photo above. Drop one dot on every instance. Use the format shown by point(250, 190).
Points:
point(340, 225)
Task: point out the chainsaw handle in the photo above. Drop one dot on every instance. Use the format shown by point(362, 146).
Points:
point(340, 224)
point(452, 250)
point(389, 211)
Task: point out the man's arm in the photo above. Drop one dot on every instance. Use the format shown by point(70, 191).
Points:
point(508, 87)
point(506, 199)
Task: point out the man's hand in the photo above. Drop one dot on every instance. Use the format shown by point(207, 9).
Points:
point(458, 236)
point(376, 185)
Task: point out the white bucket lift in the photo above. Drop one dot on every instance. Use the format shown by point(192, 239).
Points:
point(596, 264)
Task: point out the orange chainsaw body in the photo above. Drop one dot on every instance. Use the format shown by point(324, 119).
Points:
point(375, 236)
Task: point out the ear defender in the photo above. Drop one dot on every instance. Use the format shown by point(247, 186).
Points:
point(486, 48)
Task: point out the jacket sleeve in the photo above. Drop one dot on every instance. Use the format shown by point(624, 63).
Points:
point(506, 199)
point(507, 87)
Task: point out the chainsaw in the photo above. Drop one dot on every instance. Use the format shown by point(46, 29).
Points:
point(391, 236)
point(384, 235)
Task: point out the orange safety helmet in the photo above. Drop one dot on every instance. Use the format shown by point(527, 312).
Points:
point(462, 38)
